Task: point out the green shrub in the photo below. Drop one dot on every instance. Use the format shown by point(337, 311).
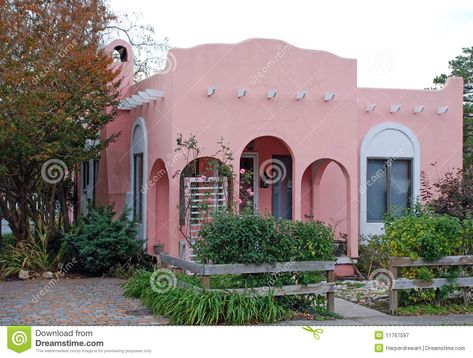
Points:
point(431, 236)
point(6, 240)
point(140, 261)
point(373, 253)
point(189, 307)
point(250, 238)
point(98, 241)
point(424, 234)
point(467, 237)
point(30, 255)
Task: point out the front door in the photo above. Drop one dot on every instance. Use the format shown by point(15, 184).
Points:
point(281, 186)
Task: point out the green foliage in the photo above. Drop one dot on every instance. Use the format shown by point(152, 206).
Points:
point(189, 307)
point(140, 261)
point(430, 309)
point(424, 234)
point(467, 236)
point(98, 241)
point(373, 253)
point(31, 255)
point(250, 238)
point(6, 241)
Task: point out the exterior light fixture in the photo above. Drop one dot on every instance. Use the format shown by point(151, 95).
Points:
point(301, 95)
point(395, 108)
point(241, 92)
point(210, 91)
point(418, 109)
point(442, 110)
point(329, 96)
point(271, 93)
point(370, 107)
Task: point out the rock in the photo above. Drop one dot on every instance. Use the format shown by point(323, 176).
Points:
point(23, 275)
point(48, 274)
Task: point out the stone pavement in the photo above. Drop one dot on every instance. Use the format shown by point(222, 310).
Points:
point(100, 301)
point(356, 315)
point(91, 301)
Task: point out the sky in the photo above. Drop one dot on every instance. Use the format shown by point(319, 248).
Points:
point(398, 44)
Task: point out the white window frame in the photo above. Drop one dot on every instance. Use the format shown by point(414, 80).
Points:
point(366, 151)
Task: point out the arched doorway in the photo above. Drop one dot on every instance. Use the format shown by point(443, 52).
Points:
point(326, 197)
point(266, 177)
point(158, 205)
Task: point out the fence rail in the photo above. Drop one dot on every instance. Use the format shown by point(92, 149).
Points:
point(207, 270)
point(403, 284)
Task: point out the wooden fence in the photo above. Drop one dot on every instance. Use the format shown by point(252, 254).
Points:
point(205, 271)
point(403, 284)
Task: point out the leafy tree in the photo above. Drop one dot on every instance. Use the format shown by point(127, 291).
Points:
point(57, 91)
point(462, 66)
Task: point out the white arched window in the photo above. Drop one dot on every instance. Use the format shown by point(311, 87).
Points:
point(389, 174)
point(138, 175)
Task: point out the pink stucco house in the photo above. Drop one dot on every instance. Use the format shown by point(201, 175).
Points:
point(347, 154)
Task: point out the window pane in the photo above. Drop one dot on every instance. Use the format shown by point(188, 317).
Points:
point(400, 186)
point(138, 181)
point(376, 187)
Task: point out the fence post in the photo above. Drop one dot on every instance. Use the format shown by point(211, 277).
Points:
point(205, 281)
point(330, 295)
point(393, 294)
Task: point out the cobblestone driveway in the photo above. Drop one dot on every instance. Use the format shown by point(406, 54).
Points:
point(91, 301)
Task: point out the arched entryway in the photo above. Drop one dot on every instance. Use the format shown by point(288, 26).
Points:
point(326, 197)
point(158, 205)
point(269, 187)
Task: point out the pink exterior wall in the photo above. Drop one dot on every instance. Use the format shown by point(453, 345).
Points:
point(324, 138)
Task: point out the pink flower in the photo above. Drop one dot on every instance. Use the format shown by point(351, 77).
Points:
point(250, 192)
point(242, 171)
point(211, 200)
point(239, 201)
point(203, 177)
